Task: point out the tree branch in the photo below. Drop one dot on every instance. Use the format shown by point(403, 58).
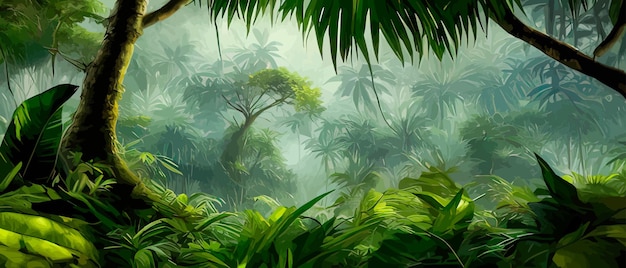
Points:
point(615, 34)
point(273, 104)
point(560, 51)
point(162, 13)
point(236, 107)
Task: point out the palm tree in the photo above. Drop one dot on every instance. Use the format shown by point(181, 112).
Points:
point(358, 84)
point(327, 145)
point(358, 135)
point(408, 131)
point(299, 124)
point(204, 99)
point(442, 89)
point(173, 60)
point(563, 90)
point(259, 55)
point(496, 96)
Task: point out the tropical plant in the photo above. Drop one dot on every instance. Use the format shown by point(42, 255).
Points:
point(359, 83)
point(258, 56)
point(566, 220)
point(327, 146)
point(408, 129)
point(32, 29)
point(174, 61)
point(33, 135)
point(441, 90)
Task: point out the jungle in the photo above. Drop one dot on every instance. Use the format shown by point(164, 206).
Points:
point(312, 133)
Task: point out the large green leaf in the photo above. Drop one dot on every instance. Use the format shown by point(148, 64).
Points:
point(588, 253)
point(263, 238)
point(10, 257)
point(433, 181)
point(34, 134)
point(44, 237)
point(614, 10)
point(454, 216)
point(561, 190)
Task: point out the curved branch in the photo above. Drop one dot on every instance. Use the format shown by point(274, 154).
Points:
point(162, 13)
point(273, 104)
point(615, 34)
point(560, 51)
point(237, 107)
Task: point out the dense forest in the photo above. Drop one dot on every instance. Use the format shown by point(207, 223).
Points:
point(264, 133)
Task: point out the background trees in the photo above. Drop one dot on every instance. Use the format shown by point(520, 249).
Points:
point(474, 121)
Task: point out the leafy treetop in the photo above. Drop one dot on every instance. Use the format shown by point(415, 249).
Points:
point(30, 29)
point(288, 87)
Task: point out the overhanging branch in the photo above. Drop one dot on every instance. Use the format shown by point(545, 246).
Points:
point(615, 34)
point(162, 13)
point(561, 51)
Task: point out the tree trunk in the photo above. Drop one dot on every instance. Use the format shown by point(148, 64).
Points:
point(233, 148)
point(92, 131)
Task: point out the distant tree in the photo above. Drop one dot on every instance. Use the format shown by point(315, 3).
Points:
point(359, 83)
point(264, 90)
point(260, 55)
point(31, 30)
point(441, 89)
point(327, 145)
point(34, 32)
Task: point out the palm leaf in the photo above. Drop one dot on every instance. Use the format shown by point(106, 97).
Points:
point(407, 25)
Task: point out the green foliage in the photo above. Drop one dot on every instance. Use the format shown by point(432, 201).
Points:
point(289, 85)
point(144, 247)
point(44, 237)
point(260, 55)
point(407, 26)
point(79, 178)
point(260, 235)
point(29, 28)
point(28, 237)
point(358, 83)
point(568, 224)
point(145, 164)
point(596, 184)
point(560, 189)
point(33, 135)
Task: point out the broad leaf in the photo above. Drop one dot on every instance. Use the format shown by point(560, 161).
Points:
point(562, 191)
point(34, 134)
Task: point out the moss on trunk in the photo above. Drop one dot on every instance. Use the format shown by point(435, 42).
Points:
point(92, 131)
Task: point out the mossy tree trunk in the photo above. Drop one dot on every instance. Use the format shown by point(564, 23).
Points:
point(92, 131)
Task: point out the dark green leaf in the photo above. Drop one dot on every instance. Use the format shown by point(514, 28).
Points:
point(34, 134)
point(561, 190)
